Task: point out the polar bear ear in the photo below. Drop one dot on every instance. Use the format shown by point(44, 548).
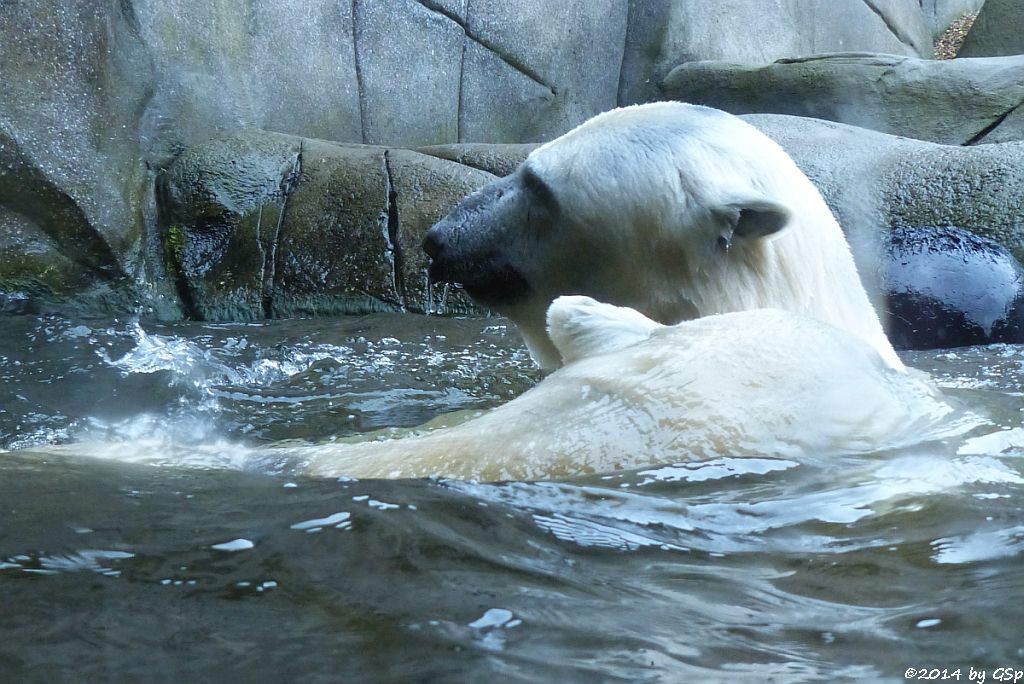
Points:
point(751, 218)
point(582, 327)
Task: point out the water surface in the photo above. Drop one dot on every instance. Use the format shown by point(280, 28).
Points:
point(730, 570)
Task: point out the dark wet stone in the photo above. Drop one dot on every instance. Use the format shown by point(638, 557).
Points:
point(335, 254)
point(221, 206)
point(425, 190)
point(261, 225)
point(946, 287)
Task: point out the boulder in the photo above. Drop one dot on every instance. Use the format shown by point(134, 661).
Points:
point(946, 287)
point(957, 102)
point(663, 35)
point(261, 225)
point(221, 212)
point(876, 181)
point(996, 31)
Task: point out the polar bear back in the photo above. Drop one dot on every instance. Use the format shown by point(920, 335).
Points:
point(765, 383)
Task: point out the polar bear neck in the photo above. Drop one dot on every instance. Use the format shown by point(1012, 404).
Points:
point(762, 276)
point(808, 268)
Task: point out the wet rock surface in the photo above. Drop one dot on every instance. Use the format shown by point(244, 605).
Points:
point(874, 181)
point(267, 225)
point(946, 287)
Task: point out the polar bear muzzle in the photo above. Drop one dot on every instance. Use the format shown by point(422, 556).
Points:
point(481, 243)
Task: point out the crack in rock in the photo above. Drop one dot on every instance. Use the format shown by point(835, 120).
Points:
point(394, 226)
point(289, 184)
point(994, 124)
point(435, 7)
point(360, 89)
point(522, 68)
point(893, 28)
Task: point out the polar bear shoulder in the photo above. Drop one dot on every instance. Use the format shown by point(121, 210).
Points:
point(581, 327)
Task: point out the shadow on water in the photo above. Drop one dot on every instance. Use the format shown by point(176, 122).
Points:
point(734, 569)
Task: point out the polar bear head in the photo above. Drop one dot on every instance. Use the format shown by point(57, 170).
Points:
point(675, 210)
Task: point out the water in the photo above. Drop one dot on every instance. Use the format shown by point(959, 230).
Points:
point(731, 570)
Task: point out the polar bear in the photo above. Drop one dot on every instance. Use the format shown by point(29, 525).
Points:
point(635, 393)
point(670, 213)
point(675, 210)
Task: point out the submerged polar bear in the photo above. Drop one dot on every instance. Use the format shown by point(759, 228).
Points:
point(680, 212)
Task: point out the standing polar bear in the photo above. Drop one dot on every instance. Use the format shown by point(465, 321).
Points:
point(680, 213)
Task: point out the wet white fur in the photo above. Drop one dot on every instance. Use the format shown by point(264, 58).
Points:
point(635, 393)
point(644, 186)
point(785, 356)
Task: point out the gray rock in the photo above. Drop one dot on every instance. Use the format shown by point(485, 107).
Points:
point(663, 35)
point(958, 101)
point(497, 159)
point(998, 30)
point(68, 126)
point(49, 212)
point(874, 181)
point(418, 102)
point(534, 69)
point(501, 103)
point(37, 277)
point(263, 225)
point(221, 65)
point(940, 14)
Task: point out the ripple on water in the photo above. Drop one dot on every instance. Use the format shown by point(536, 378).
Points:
point(727, 569)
